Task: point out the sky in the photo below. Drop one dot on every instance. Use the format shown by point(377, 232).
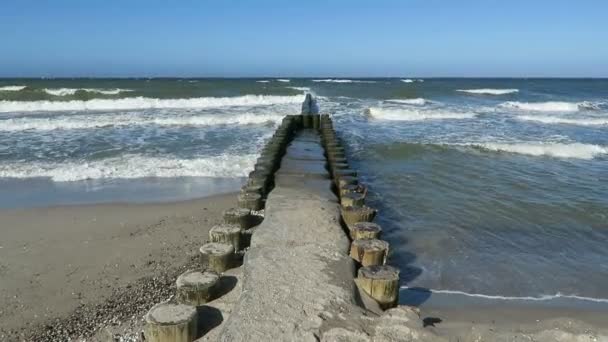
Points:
point(340, 38)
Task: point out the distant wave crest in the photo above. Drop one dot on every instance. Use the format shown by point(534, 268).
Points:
point(489, 91)
point(146, 103)
point(335, 80)
point(559, 150)
point(72, 91)
point(133, 166)
point(550, 106)
point(414, 114)
point(12, 88)
point(567, 121)
point(417, 101)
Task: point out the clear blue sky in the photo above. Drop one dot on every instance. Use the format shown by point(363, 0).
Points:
point(304, 38)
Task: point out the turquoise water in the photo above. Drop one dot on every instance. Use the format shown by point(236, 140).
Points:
point(496, 187)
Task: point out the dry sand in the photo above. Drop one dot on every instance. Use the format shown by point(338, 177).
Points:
point(65, 270)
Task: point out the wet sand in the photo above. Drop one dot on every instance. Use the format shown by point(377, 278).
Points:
point(56, 261)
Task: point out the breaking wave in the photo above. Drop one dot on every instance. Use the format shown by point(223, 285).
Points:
point(305, 89)
point(489, 91)
point(133, 166)
point(567, 121)
point(12, 88)
point(417, 102)
point(559, 150)
point(146, 103)
point(522, 298)
point(131, 119)
point(284, 80)
point(551, 106)
point(414, 114)
point(407, 81)
point(72, 91)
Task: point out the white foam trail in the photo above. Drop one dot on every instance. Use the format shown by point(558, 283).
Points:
point(567, 121)
point(551, 106)
point(284, 80)
point(133, 166)
point(522, 298)
point(304, 89)
point(559, 150)
point(133, 119)
point(263, 81)
point(414, 114)
point(418, 101)
point(407, 81)
point(12, 88)
point(72, 91)
point(146, 103)
point(334, 80)
point(489, 91)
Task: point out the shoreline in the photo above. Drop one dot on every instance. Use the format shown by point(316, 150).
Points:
point(64, 265)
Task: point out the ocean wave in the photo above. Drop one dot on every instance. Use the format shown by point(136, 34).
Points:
point(418, 101)
point(559, 150)
point(489, 91)
point(12, 88)
point(414, 114)
point(146, 103)
point(133, 166)
point(305, 89)
point(551, 106)
point(72, 91)
point(263, 81)
point(520, 298)
point(567, 121)
point(336, 80)
point(284, 80)
point(133, 119)
point(407, 80)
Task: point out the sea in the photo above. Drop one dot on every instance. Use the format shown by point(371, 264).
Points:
point(489, 188)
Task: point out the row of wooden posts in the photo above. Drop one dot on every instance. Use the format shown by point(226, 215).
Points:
point(177, 320)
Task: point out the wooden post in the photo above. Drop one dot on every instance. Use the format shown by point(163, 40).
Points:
point(195, 288)
point(346, 180)
point(226, 233)
point(316, 121)
point(365, 231)
point(352, 215)
point(381, 283)
point(347, 188)
point(171, 323)
point(240, 216)
point(250, 200)
point(216, 257)
point(369, 252)
point(352, 199)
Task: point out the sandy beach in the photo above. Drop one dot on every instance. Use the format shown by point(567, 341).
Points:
point(74, 268)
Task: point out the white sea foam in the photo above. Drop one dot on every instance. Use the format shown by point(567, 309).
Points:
point(551, 106)
point(146, 103)
point(414, 114)
point(132, 119)
point(559, 150)
point(335, 80)
point(72, 91)
point(305, 89)
point(284, 80)
point(263, 81)
point(133, 166)
point(418, 101)
point(407, 80)
point(518, 298)
point(568, 121)
point(489, 91)
point(12, 88)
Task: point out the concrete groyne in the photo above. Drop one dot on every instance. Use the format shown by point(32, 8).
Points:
point(313, 263)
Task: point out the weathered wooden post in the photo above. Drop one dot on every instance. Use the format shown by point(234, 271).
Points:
point(365, 231)
point(239, 216)
point(250, 200)
point(352, 215)
point(352, 199)
point(369, 252)
point(171, 323)
point(226, 233)
point(381, 283)
point(216, 257)
point(195, 288)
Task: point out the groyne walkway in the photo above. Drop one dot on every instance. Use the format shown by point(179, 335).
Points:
point(313, 266)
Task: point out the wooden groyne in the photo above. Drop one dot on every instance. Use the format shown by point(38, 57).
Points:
point(313, 262)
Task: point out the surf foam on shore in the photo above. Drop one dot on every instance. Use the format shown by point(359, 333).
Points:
point(12, 88)
point(559, 150)
point(146, 103)
point(488, 91)
point(72, 91)
point(550, 106)
point(568, 121)
point(414, 114)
